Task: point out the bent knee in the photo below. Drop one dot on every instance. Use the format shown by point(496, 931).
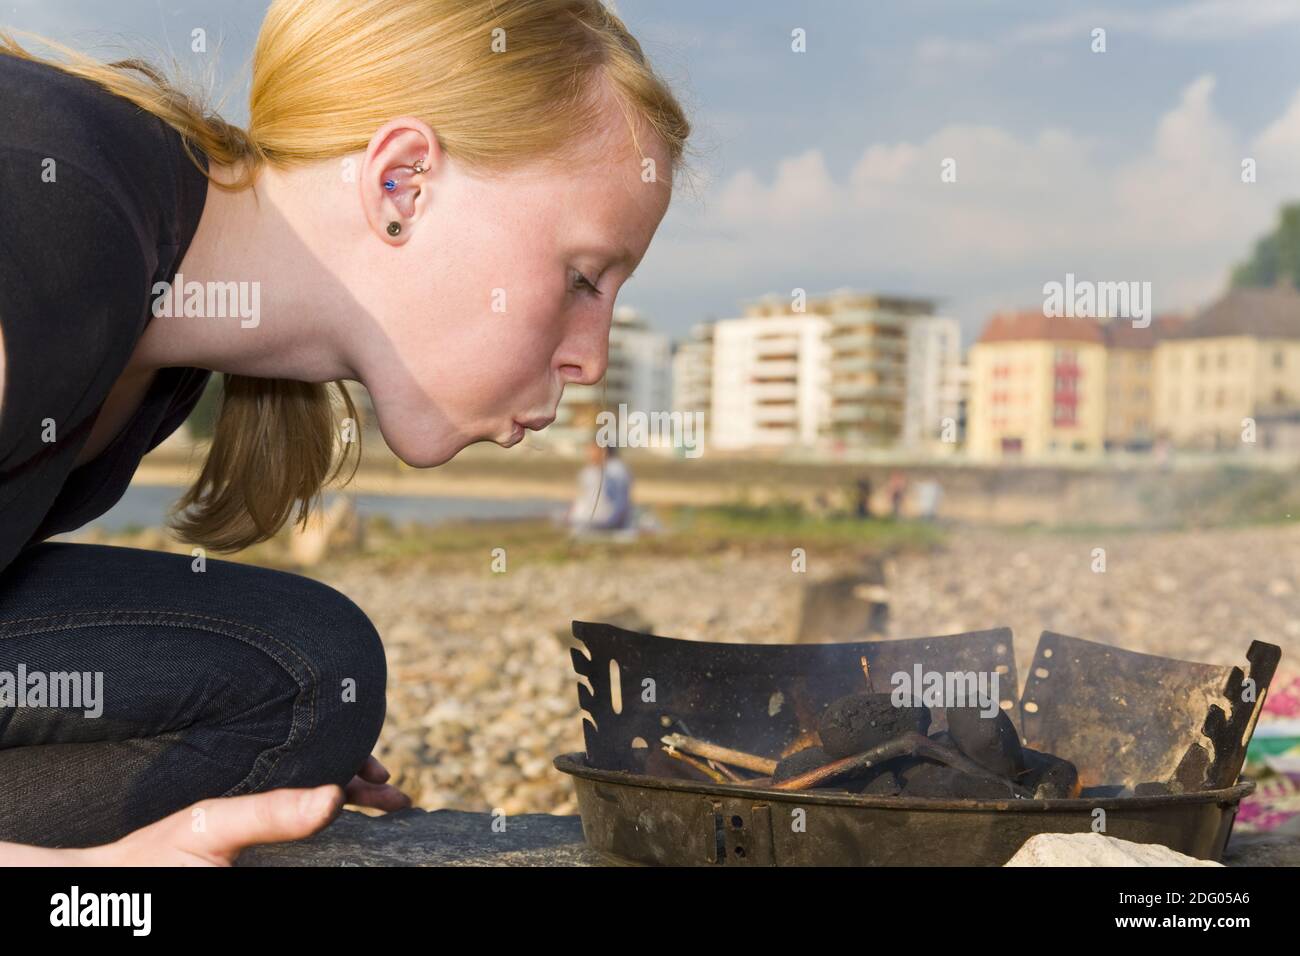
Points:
point(341, 705)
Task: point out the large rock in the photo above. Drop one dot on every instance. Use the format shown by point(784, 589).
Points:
point(331, 530)
point(1097, 849)
point(435, 838)
point(458, 838)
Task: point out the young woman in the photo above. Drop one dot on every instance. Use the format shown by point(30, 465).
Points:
point(437, 198)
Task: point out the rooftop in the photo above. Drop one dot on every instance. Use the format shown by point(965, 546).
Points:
point(1272, 313)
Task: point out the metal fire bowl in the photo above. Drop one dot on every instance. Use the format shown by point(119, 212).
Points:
point(638, 820)
point(1121, 717)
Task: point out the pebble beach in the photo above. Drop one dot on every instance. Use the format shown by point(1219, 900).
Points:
point(482, 695)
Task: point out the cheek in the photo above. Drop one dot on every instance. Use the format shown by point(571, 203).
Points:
point(480, 361)
point(483, 323)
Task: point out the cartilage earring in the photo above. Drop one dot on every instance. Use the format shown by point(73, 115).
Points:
point(389, 185)
point(419, 166)
point(394, 227)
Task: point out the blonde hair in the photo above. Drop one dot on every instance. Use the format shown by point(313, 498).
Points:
point(501, 82)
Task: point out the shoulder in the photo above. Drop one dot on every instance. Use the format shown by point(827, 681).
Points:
point(95, 208)
point(60, 128)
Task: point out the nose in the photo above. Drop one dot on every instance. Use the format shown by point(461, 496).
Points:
point(585, 353)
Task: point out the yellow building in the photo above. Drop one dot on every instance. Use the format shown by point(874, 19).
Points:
point(1131, 381)
point(1037, 388)
point(1236, 360)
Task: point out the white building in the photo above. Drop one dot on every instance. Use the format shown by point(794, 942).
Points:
point(935, 382)
point(692, 372)
point(769, 381)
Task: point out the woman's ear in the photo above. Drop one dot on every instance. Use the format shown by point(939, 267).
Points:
point(400, 160)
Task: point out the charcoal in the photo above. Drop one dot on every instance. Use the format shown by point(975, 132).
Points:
point(1048, 775)
point(882, 784)
point(938, 780)
point(801, 761)
point(859, 722)
point(992, 742)
point(910, 767)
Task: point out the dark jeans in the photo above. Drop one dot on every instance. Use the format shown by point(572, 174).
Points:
point(232, 680)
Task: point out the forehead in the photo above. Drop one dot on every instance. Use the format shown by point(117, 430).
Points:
point(605, 197)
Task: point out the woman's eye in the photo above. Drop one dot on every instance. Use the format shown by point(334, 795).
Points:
point(581, 282)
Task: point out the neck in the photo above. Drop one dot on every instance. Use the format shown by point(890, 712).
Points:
point(287, 317)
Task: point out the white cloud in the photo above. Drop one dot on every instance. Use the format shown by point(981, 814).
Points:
point(1171, 209)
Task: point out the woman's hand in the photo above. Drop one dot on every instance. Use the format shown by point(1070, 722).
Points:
point(208, 833)
point(369, 788)
point(214, 832)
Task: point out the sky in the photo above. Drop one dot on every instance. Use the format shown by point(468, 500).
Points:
point(821, 169)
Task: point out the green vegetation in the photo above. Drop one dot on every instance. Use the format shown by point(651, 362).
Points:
point(1276, 256)
point(684, 531)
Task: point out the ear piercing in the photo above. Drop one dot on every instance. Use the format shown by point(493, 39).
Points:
point(391, 184)
point(395, 227)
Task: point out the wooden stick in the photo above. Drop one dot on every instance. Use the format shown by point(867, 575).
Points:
point(737, 758)
point(913, 744)
point(699, 765)
point(809, 738)
point(727, 772)
point(866, 671)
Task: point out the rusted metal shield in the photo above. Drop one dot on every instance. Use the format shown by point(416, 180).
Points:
point(753, 697)
point(1125, 718)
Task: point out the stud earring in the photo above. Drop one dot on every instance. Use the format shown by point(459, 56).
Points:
point(389, 185)
point(394, 227)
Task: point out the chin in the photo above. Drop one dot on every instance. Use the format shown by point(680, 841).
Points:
point(425, 457)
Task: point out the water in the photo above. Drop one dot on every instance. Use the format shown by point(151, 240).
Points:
point(146, 506)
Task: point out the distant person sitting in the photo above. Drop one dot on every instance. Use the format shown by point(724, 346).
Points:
point(604, 501)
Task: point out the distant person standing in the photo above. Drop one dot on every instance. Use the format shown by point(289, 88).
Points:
point(897, 489)
point(862, 503)
point(604, 500)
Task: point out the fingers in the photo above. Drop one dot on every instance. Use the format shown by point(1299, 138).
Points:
point(373, 771)
point(217, 830)
point(384, 797)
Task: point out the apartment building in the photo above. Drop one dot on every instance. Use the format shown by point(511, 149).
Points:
point(934, 411)
point(834, 371)
point(769, 381)
point(1237, 359)
point(1131, 381)
point(867, 339)
point(1037, 388)
point(692, 373)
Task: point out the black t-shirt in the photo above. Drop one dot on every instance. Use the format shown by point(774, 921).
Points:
point(98, 202)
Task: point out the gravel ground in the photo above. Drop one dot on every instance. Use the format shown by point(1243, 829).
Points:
point(481, 692)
